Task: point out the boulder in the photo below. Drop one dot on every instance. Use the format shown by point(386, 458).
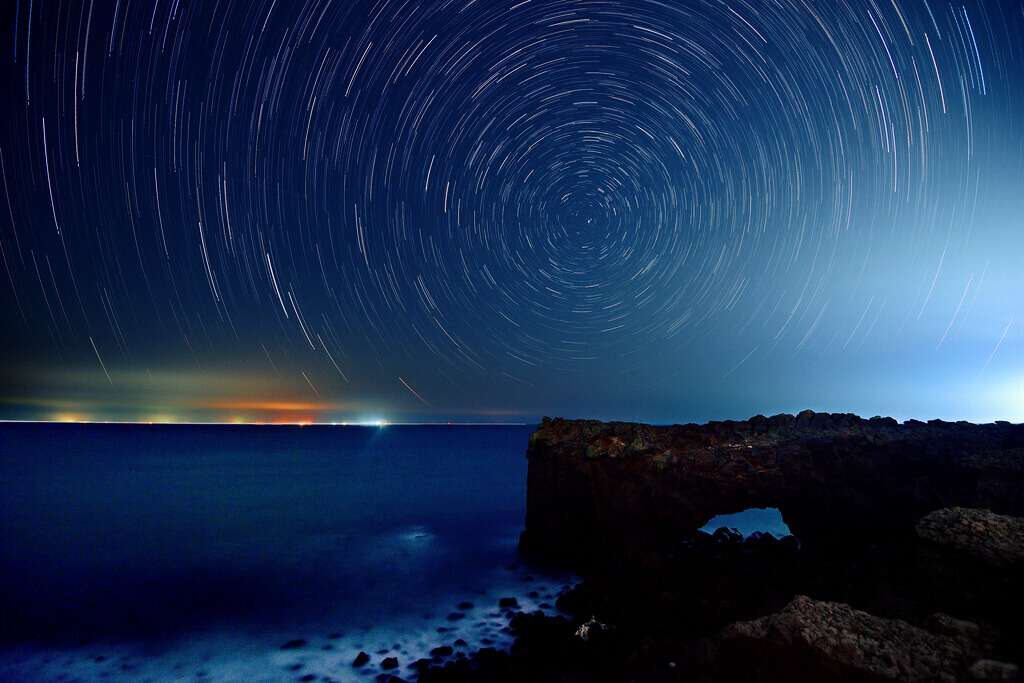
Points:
point(996, 540)
point(816, 640)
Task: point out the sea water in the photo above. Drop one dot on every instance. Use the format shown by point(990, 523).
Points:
point(185, 553)
point(276, 553)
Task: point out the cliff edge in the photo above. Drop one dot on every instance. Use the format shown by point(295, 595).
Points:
point(605, 492)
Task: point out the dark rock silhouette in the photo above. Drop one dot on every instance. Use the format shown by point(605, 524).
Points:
point(905, 565)
point(811, 639)
point(995, 540)
point(597, 490)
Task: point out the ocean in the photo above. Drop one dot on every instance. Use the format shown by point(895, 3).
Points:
point(226, 553)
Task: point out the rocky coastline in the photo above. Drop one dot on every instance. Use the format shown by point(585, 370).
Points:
point(906, 561)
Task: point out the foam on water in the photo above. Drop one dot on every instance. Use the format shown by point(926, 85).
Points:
point(326, 654)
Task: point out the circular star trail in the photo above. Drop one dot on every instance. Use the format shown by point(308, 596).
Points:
point(478, 206)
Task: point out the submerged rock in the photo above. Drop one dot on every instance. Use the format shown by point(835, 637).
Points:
point(362, 659)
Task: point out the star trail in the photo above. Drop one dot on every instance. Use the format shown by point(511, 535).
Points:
point(327, 210)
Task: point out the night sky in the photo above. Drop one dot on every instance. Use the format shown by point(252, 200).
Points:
point(330, 210)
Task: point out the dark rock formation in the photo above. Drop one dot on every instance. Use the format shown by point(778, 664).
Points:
point(995, 540)
point(598, 491)
point(883, 552)
point(973, 561)
point(816, 641)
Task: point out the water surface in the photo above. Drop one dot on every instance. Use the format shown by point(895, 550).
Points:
point(194, 552)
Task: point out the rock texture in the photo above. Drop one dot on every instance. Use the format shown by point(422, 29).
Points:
point(995, 540)
point(602, 490)
point(974, 559)
point(814, 640)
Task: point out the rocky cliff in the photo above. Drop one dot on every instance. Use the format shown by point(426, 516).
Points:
point(906, 565)
point(606, 490)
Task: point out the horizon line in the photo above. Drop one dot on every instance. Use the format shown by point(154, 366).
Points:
point(188, 423)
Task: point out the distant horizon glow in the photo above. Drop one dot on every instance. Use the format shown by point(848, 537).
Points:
point(381, 423)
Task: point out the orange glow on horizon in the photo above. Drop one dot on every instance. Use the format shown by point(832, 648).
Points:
point(301, 421)
point(266, 406)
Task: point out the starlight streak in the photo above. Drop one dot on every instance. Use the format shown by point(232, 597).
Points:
point(435, 209)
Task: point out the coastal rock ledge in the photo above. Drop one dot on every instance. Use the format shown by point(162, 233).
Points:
point(600, 492)
point(905, 562)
